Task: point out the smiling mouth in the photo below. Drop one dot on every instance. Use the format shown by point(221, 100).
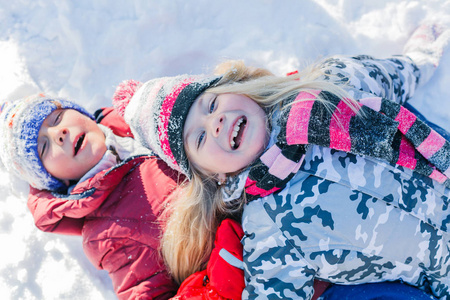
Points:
point(237, 133)
point(79, 143)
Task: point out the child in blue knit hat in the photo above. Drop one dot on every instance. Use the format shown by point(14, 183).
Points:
point(90, 178)
point(38, 146)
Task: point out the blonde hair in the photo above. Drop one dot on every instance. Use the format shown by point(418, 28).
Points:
point(189, 237)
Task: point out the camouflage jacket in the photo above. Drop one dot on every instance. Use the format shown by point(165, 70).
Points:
point(349, 219)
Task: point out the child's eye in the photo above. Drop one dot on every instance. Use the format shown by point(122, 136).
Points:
point(57, 118)
point(43, 147)
point(200, 139)
point(212, 105)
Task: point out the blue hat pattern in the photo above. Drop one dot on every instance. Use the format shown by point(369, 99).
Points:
point(20, 122)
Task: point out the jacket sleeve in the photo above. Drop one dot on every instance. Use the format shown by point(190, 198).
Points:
point(395, 78)
point(274, 269)
point(42, 204)
point(136, 270)
point(224, 276)
point(225, 268)
point(109, 117)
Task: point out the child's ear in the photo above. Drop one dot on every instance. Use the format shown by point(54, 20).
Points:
point(66, 182)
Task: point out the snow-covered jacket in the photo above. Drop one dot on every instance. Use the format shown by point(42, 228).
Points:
point(119, 214)
point(349, 219)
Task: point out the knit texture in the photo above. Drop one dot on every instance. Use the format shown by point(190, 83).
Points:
point(20, 122)
point(157, 113)
point(381, 129)
point(426, 46)
point(123, 94)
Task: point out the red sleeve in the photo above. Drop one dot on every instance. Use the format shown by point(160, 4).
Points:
point(65, 215)
point(225, 265)
point(195, 287)
point(221, 280)
point(109, 117)
point(40, 203)
point(136, 270)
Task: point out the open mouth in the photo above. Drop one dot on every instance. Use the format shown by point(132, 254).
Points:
point(238, 130)
point(79, 143)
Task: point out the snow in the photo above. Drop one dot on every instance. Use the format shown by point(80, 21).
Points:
point(83, 49)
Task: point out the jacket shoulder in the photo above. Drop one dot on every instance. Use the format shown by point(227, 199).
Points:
point(109, 117)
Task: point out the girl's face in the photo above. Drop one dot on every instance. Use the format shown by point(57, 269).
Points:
point(70, 144)
point(224, 133)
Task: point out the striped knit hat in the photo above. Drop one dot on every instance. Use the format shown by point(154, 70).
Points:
point(20, 122)
point(157, 113)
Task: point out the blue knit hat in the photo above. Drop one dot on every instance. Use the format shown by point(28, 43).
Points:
point(20, 122)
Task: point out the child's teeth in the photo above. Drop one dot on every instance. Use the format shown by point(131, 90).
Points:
point(236, 130)
point(236, 127)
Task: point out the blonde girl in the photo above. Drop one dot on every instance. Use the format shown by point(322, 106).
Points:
point(346, 191)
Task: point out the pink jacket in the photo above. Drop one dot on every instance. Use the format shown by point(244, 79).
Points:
point(119, 215)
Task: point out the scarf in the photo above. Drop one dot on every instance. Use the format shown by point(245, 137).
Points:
point(375, 127)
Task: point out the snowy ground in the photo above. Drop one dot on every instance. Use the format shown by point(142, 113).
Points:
point(82, 49)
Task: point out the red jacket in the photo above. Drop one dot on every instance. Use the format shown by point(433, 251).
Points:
point(118, 213)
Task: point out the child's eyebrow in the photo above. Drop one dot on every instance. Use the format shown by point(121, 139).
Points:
point(201, 100)
point(186, 137)
point(186, 146)
point(198, 106)
point(50, 117)
point(40, 146)
point(191, 138)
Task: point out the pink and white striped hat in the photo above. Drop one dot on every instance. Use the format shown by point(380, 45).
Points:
point(157, 112)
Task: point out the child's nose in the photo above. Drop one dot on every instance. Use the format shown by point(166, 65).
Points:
point(60, 135)
point(217, 125)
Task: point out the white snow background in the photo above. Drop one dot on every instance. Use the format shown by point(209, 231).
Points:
point(82, 49)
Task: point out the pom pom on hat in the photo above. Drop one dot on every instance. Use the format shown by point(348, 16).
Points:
point(122, 96)
point(157, 113)
point(20, 122)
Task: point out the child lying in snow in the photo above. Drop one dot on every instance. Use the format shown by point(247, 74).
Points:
point(295, 170)
point(89, 177)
